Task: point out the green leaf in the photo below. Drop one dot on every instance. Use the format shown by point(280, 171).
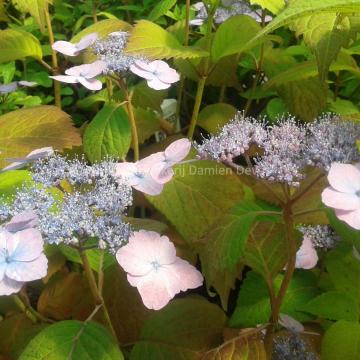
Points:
point(146, 97)
point(180, 331)
point(344, 270)
point(22, 131)
point(151, 40)
point(341, 341)
point(334, 305)
point(18, 44)
point(265, 250)
point(3, 16)
point(325, 34)
point(272, 5)
point(253, 304)
point(72, 340)
point(296, 9)
point(93, 255)
point(213, 117)
point(12, 180)
point(161, 9)
point(103, 28)
point(204, 188)
point(232, 35)
point(36, 8)
point(147, 123)
point(109, 134)
point(225, 244)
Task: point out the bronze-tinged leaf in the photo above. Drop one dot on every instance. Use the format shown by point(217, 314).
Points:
point(66, 296)
point(265, 250)
point(15, 332)
point(127, 312)
point(246, 346)
point(24, 130)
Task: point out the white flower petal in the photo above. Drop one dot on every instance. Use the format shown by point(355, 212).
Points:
point(152, 289)
point(66, 48)
point(21, 221)
point(306, 256)
point(344, 177)
point(65, 79)
point(91, 84)
point(157, 84)
point(9, 286)
point(352, 218)
point(86, 41)
point(27, 271)
point(340, 200)
point(28, 245)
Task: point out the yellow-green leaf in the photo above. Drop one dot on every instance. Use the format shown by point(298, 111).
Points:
point(272, 5)
point(102, 28)
point(22, 131)
point(18, 44)
point(296, 9)
point(153, 41)
point(36, 8)
point(3, 16)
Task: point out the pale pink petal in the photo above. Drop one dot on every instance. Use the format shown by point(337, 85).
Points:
point(27, 83)
point(162, 173)
point(149, 186)
point(128, 170)
point(91, 84)
point(196, 22)
point(65, 79)
point(148, 162)
point(86, 41)
point(14, 166)
point(94, 69)
point(140, 69)
point(290, 323)
point(9, 286)
point(177, 151)
point(181, 276)
point(66, 48)
point(352, 218)
point(27, 270)
point(306, 256)
point(198, 6)
point(40, 153)
point(340, 200)
point(3, 265)
point(143, 250)
point(344, 177)
point(25, 245)
point(152, 289)
point(157, 84)
point(170, 76)
point(21, 221)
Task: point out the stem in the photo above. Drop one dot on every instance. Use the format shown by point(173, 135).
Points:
point(45, 65)
point(198, 100)
point(290, 267)
point(95, 291)
point(134, 131)
point(222, 93)
point(256, 79)
point(55, 65)
point(29, 311)
point(182, 78)
point(94, 11)
point(203, 77)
